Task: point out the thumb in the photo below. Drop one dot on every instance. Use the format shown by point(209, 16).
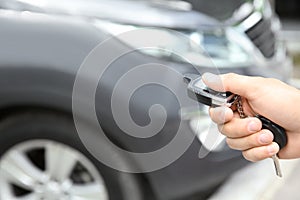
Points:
point(237, 84)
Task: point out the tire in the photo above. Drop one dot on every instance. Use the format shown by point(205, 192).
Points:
point(36, 131)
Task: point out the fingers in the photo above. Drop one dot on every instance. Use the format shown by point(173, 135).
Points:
point(234, 83)
point(245, 134)
point(221, 115)
point(261, 138)
point(242, 134)
point(262, 152)
point(231, 126)
point(238, 128)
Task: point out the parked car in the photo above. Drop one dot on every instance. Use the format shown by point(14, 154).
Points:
point(44, 43)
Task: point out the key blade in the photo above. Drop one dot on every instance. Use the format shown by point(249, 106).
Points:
point(277, 165)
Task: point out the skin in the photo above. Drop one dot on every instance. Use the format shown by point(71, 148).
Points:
point(268, 97)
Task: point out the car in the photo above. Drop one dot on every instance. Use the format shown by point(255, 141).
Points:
point(51, 148)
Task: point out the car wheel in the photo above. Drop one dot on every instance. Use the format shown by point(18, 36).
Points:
point(42, 158)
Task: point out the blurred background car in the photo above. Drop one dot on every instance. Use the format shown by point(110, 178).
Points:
point(43, 44)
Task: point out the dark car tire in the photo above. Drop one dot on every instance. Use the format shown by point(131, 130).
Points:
point(36, 125)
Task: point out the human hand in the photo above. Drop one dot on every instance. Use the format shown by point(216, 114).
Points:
point(268, 97)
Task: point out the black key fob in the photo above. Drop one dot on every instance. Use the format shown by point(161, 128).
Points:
point(279, 133)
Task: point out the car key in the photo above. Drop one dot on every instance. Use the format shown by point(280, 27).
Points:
point(279, 133)
point(213, 98)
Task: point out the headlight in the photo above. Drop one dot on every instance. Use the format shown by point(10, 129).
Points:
point(208, 48)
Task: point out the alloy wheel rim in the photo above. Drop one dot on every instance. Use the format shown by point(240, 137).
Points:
point(48, 170)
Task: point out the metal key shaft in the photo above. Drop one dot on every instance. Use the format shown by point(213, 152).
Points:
point(277, 165)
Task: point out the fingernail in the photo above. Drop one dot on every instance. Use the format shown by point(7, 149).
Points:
point(273, 148)
point(265, 138)
point(253, 126)
point(220, 112)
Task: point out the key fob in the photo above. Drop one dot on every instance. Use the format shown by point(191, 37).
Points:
point(205, 95)
point(212, 98)
point(279, 133)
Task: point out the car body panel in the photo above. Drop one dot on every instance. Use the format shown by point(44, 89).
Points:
point(38, 66)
